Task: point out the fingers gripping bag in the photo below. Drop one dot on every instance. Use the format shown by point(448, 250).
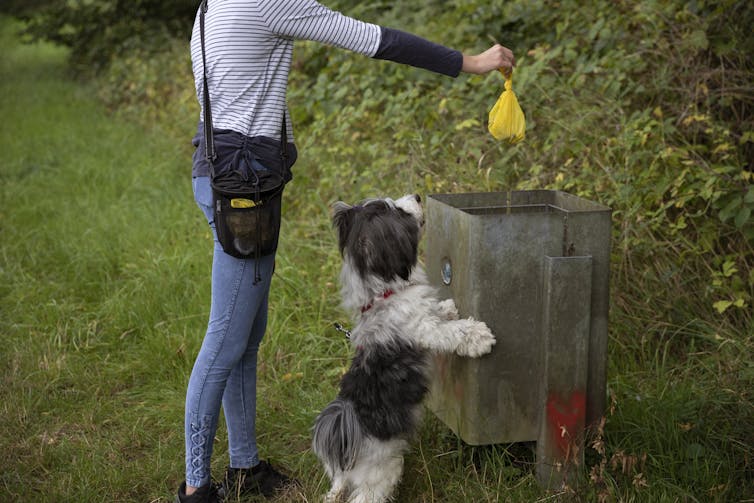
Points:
point(506, 120)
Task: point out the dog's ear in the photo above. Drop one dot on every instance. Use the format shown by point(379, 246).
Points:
point(404, 252)
point(389, 248)
point(342, 220)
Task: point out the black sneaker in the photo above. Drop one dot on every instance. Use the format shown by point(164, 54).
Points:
point(262, 479)
point(209, 493)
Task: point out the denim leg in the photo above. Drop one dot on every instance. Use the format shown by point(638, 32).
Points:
point(239, 400)
point(238, 317)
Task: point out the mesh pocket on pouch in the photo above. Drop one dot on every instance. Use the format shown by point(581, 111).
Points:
point(247, 228)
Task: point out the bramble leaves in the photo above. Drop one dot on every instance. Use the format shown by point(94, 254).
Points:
point(645, 107)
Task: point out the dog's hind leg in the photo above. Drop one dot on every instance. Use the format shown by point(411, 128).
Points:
point(376, 477)
point(339, 489)
point(380, 488)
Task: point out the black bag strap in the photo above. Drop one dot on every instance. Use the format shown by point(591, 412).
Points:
point(209, 137)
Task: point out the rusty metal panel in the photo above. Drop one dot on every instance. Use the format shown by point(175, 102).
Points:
point(566, 318)
point(488, 252)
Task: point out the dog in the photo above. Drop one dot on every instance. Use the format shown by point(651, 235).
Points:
point(361, 436)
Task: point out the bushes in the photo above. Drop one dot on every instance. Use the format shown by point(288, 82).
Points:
point(625, 104)
point(99, 31)
point(153, 87)
point(645, 107)
point(23, 7)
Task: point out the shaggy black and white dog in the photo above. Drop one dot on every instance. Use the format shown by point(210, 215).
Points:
point(361, 436)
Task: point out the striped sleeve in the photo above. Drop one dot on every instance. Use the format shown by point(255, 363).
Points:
point(310, 20)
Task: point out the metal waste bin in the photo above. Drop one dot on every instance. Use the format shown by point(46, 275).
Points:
point(533, 265)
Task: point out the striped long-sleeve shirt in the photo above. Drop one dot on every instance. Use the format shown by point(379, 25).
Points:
point(249, 49)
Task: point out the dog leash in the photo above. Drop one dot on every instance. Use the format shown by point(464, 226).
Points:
point(340, 328)
point(387, 293)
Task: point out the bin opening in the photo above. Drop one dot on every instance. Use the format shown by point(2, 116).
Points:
point(518, 201)
point(510, 209)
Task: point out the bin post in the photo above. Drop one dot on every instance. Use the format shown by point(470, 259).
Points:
point(566, 318)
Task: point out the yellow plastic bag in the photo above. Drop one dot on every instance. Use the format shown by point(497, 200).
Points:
point(506, 121)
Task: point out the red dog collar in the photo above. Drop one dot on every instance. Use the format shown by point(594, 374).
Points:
point(385, 295)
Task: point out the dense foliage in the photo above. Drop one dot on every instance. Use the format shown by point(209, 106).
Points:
point(646, 107)
point(98, 31)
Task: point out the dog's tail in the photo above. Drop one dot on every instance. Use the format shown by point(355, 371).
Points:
point(337, 435)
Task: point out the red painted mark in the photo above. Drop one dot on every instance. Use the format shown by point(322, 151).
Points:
point(442, 365)
point(458, 391)
point(565, 418)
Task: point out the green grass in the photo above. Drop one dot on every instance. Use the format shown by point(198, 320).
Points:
point(95, 216)
point(104, 294)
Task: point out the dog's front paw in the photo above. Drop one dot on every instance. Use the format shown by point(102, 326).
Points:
point(478, 340)
point(447, 310)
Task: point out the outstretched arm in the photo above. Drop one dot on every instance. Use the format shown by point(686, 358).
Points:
point(406, 48)
point(308, 19)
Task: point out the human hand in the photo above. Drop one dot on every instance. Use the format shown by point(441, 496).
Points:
point(493, 58)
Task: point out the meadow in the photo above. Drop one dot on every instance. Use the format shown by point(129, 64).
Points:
point(105, 259)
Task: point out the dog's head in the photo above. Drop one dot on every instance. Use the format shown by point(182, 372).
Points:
point(380, 237)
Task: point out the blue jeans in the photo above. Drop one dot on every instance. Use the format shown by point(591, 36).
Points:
point(226, 367)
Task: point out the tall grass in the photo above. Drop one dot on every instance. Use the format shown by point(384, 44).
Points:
point(105, 291)
point(96, 216)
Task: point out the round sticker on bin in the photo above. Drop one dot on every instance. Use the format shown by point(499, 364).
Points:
point(446, 271)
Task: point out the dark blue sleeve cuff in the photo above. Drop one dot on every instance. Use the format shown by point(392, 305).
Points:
point(402, 47)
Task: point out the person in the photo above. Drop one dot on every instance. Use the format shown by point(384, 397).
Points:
point(248, 51)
